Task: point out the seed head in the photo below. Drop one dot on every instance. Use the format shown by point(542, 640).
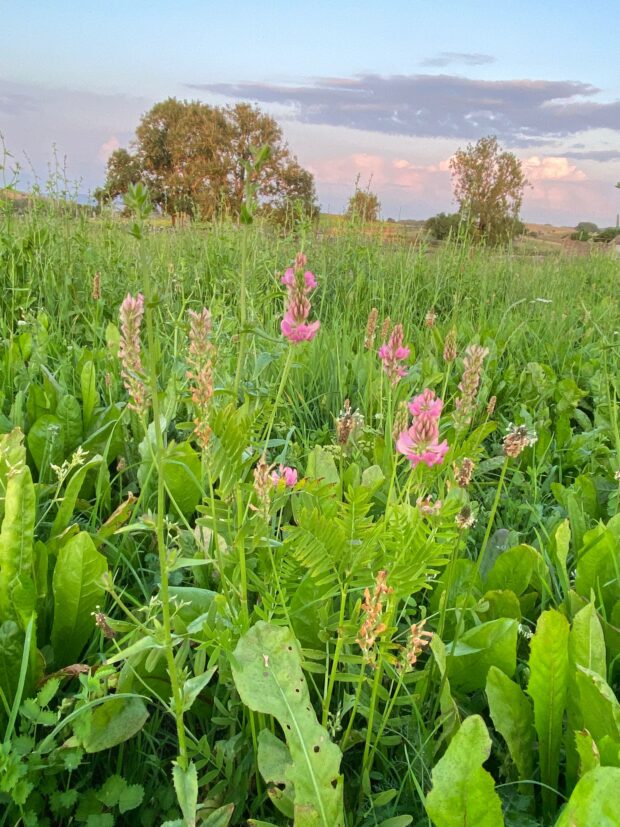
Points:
point(96, 291)
point(419, 639)
point(491, 406)
point(463, 474)
point(518, 438)
point(465, 518)
point(371, 329)
point(449, 346)
point(430, 318)
point(372, 625)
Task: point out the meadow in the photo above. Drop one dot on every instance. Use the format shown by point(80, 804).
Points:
point(259, 570)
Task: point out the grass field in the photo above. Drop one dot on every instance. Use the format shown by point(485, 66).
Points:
point(244, 577)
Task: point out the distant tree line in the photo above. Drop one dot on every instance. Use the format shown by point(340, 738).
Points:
point(194, 158)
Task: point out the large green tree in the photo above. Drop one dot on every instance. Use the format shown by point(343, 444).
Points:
point(488, 185)
point(195, 159)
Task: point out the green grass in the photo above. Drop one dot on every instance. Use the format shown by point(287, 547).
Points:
point(192, 520)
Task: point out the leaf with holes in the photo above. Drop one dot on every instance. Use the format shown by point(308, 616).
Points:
point(266, 667)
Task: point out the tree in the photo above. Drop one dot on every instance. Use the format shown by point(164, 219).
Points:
point(363, 206)
point(488, 185)
point(123, 170)
point(195, 158)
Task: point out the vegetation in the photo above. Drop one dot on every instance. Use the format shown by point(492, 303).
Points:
point(489, 185)
point(195, 160)
point(363, 206)
point(340, 550)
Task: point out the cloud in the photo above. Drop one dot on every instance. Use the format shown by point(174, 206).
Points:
point(108, 147)
point(551, 168)
point(519, 112)
point(600, 155)
point(467, 58)
point(44, 125)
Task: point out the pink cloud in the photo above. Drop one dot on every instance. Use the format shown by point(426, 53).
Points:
point(108, 147)
point(550, 168)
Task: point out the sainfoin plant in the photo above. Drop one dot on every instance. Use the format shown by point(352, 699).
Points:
point(267, 559)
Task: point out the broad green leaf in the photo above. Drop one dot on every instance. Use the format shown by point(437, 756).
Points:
point(11, 650)
point(130, 798)
point(70, 415)
point(322, 466)
point(220, 817)
point(266, 668)
point(494, 605)
point(77, 589)
point(72, 490)
point(113, 721)
point(587, 752)
point(451, 718)
point(186, 788)
point(594, 801)
point(586, 647)
point(181, 470)
point(46, 442)
point(463, 793)
point(490, 644)
point(16, 538)
point(516, 569)
point(598, 563)
point(548, 687)
point(512, 716)
point(90, 397)
point(12, 458)
point(600, 709)
point(274, 764)
point(194, 686)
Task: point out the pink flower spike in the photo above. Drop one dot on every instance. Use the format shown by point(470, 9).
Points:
point(298, 331)
point(285, 475)
point(392, 353)
point(310, 280)
point(288, 278)
point(429, 454)
point(426, 402)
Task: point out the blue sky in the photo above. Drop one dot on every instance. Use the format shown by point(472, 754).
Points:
point(388, 91)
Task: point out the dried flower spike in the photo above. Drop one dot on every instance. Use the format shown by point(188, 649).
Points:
point(348, 423)
point(419, 639)
point(449, 346)
point(430, 318)
point(468, 386)
point(491, 405)
point(263, 485)
point(372, 625)
point(465, 518)
point(371, 329)
point(200, 360)
point(96, 291)
point(464, 474)
point(518, 438)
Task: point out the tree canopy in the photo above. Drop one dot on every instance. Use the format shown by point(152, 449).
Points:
point(364, 205)
point(195, 158)
point(488, 185)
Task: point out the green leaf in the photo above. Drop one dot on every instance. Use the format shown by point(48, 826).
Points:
point(186, 788)
point(516, 569)
point(11, 649)
point(594, 801)
point(194, 686)
point(130, 798)
point(322, 466)
point(512, 716)
point(274, 764)
point(598, 564)
point(266, 667)
point(600, 709)
point(587, 751)
point(70, 415)
point(16, 538)
point(463, 792)
point(12, 458)
point(110, 792)
point(77, 589)
point(46, 442)
point(113, 721)
point(181, 470)
point(90, 397)
point(72, 490)
point(586, 647)
point(489, 644)
point(396, 821)
point(220, 817)
point(548, 687)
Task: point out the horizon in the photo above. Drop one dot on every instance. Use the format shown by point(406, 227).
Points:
point(398, 91)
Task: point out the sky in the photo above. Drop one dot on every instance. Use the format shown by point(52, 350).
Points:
point(384, 91)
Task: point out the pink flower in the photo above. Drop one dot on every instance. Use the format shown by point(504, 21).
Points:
point(392, 353)
point(285, 475)
point(420, 442)
point(129, 352)
point(426, 402)
point(299, 284)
